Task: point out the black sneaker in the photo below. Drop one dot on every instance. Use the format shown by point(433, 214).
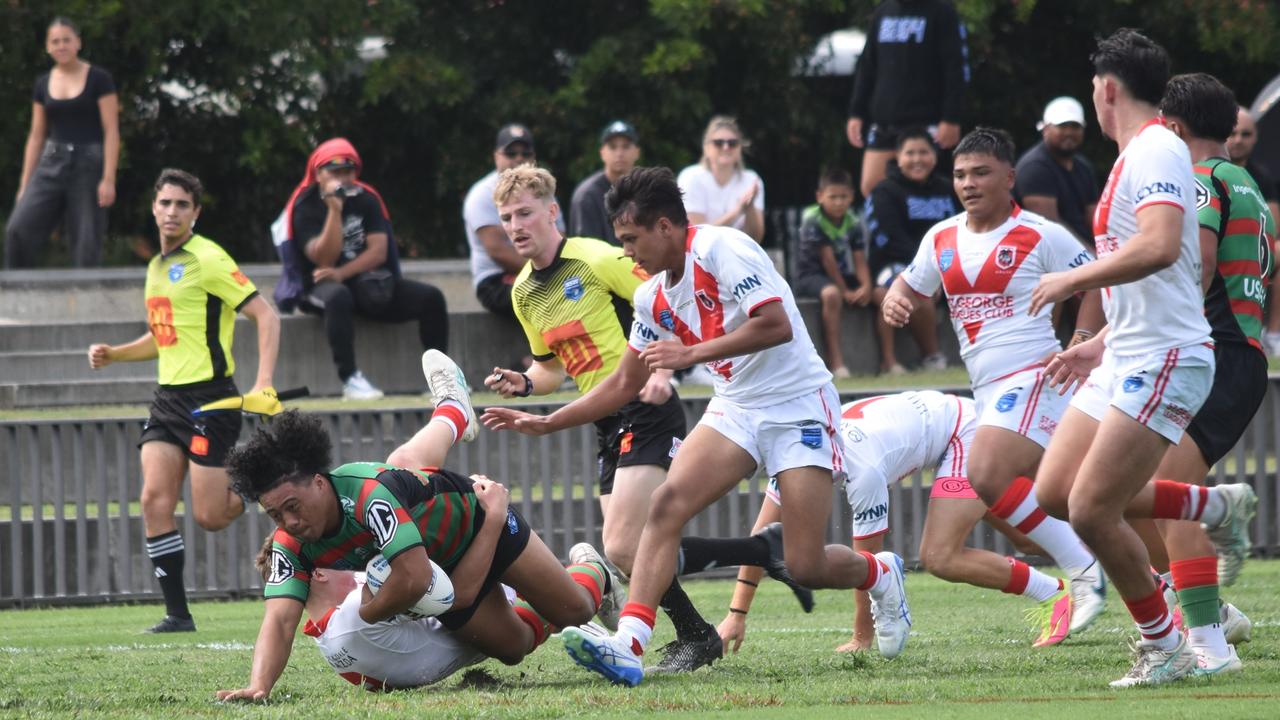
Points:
point(688, 655)
point(171, 623)
point(777, 567)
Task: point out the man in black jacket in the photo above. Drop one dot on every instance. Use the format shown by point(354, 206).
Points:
point(913, 71)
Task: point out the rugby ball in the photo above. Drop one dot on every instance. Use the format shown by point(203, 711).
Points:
point(439, 597)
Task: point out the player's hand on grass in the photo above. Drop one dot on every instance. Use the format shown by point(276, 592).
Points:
point(733, 630)
point(1073, 365)
point(99, 355)
point(667, 355)
point(248, 694)
point(896, 310)
point(1054, 287)
point(657, 389)
point(496, 418)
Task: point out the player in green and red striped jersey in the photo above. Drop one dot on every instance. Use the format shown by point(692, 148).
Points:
point(341, 518)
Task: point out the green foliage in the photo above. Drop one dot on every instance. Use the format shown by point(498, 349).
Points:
point(259, 83)
point(970, 656)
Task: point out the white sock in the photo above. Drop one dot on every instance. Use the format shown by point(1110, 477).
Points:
point(632, 628)
point(1215, 509)
point(1041, 587)
point(1208, 640)
point(1063, 545)
point(1167, 643)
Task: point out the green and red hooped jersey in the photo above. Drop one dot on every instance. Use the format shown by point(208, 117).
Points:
point(385, 510)
point(1229, 204)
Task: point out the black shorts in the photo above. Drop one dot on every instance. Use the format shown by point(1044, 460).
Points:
point(810, 286)
point(205, 440)
point(513, 540)
point(639, 434)
point(1239, 383)
point(885, 137)
point(494, 294)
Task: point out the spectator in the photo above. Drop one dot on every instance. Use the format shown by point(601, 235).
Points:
point(349, 265)
point(832, 262)
point(900, 210)
point(193, 292)
point(69, 164)
point(720, 190)
point(913, 71)
point(494, 262)
point(619, 151)
point(1240, 148)
point(1055, 181)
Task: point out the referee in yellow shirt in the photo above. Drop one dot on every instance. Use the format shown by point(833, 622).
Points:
point(193, 293)
point(573, 298)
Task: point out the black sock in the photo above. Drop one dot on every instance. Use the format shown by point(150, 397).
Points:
point(684, 616)
point(168, 554)
point(698, 554)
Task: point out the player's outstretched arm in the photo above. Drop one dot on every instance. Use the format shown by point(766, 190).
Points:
point(409, 580)
point(271, 651)
point(469, 574)
point(264, 317)
point(102, 355)
point(620, 388)
point(733, 629)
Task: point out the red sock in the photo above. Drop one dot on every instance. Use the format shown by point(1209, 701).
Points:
point(1152, 616)
point(645, 614)
point(530, 617)
point(452, 414)
point(1178, 501)
point(590, 576)
point(875, 569)
point(1019, 575)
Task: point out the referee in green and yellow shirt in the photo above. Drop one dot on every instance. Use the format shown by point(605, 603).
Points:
point(193, 293)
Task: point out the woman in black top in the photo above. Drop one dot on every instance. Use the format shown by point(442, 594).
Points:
point(69, 166)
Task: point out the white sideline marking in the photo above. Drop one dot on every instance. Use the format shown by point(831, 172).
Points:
point(218, 646)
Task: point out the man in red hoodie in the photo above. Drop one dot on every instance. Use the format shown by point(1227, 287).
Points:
point(345, 256)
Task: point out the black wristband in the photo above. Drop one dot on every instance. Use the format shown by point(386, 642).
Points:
point(737, 611)
point(748, 582)
point(528, 387)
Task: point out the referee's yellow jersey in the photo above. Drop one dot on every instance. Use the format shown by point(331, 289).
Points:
point(193, 294)
point(567, 311)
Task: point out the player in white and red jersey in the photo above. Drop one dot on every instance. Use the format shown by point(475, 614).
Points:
point(987, 261)
point(888, 437)
point(1158, 363)
point(716, 298)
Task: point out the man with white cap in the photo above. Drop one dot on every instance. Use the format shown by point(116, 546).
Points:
point(1053, 179)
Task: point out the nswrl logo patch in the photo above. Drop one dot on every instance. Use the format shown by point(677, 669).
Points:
point(1007, 401)
point(811, 437)
point(573, 288)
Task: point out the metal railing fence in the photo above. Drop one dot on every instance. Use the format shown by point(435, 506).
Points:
point(71, 527)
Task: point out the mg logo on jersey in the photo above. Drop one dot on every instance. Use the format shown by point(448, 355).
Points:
point(666, 319)
point(1202, 197)
point(705, 299)
point(1005, 255)
point(746, 285)
point(945, 258)
point(279, 569)
point(573, 288)
point(380, 517)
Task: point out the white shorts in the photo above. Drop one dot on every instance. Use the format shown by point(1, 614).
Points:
point(1023, 403)
point(1162, 390)
point(800, 432)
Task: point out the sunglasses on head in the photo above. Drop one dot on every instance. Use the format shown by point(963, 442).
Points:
point(518, 153)
point(723, 143)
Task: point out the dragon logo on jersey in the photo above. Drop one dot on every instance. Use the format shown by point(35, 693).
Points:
point(666, 319)
point(279, 569)
point(1007, 401)
point(1005, 255)
point(573, 288)
point(175, 272)
point(705, 299)
point(945, 258)
point(1133, 383)
point(380, 517)
point(1202, 197)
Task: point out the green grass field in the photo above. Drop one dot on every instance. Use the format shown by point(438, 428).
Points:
point(969, 657)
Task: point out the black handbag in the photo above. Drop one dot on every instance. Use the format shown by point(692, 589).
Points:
point(373, 289)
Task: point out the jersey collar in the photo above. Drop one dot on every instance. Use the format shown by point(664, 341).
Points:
point(316, 629)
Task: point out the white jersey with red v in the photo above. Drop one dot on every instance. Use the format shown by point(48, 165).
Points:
point(988, 279)
point(727, 276)
point(1165, 309)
